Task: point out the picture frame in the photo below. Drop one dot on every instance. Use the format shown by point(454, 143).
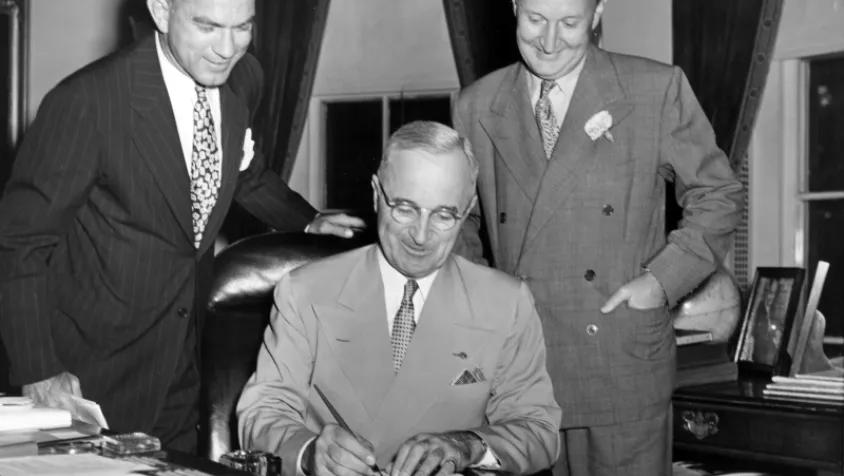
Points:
point(762, 345)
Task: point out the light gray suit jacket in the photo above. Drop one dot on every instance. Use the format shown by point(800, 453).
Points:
point(329, 328)
point(582, 224)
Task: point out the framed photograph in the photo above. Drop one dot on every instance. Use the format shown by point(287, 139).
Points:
point(768, 319)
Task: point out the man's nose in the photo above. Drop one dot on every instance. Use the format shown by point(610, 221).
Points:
point(225, 46)
point(548, 41)
point(419, 230)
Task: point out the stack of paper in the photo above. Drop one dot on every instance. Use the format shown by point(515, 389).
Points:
point(822, 386)
point(33, 418)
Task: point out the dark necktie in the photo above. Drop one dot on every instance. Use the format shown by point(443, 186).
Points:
point(545, 118)
point(403, 324)
point(205, 165)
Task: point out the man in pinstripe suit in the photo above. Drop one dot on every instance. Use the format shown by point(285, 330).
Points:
point(103, 276)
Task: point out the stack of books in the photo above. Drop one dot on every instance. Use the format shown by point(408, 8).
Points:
point(700, 360)
point(825, 386)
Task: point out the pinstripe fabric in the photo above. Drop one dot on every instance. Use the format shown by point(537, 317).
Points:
point(98, 272)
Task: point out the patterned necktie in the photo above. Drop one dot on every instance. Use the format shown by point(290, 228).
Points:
point(545, 118)
point(403, 324)
point(205, 165)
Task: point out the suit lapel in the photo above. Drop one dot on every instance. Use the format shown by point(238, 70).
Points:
point(356, 331)
point(235, 118)
point(430, 365)
point(511, 126)
point(155, 135)
point(597, 89)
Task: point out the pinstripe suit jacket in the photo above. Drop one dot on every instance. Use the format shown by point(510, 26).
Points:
point(98, 273)
point(582, 224)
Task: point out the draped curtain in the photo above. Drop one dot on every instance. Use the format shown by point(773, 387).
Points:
point(483, 36)
point(725, 49)
point(287, 40)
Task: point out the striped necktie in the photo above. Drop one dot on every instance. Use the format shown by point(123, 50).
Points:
point(545, 118)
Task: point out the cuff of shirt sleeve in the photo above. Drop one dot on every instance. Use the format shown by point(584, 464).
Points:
point(489, 460)
point(299, 471)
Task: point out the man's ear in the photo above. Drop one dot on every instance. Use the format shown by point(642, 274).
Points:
point(160, 11)
point(599, 12)
point(374, 194)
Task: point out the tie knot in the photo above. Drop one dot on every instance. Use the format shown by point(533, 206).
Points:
point(200, 93)
point(410, 288)
point(547, 86)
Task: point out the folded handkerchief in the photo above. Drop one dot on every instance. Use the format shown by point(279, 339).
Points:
point(467, 376)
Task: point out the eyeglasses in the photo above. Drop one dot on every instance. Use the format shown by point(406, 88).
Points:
point(406, 212)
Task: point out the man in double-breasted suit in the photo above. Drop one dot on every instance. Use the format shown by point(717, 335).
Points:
point(104, 264)
point(467, 388)
point(575, 145)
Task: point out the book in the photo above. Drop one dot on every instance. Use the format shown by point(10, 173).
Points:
point(709, 373)
point(802, 395)
point(691, 336)
point(702, 353)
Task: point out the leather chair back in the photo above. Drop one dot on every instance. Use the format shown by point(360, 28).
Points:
point(245, 275)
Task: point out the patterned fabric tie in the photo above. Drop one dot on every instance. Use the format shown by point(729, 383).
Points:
point(403, 324)
point(205, 165)
point(545, 118)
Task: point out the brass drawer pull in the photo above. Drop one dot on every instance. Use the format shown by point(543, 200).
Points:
point(700, 424)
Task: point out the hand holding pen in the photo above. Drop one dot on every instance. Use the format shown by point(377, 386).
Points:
point(339, 449)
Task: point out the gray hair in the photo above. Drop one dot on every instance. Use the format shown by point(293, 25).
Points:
point(432, 137)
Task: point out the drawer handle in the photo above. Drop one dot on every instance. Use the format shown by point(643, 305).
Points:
point(700, 424)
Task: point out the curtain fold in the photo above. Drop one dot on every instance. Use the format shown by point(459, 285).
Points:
point(287, 40)
point(483, 36)
point(725, 48)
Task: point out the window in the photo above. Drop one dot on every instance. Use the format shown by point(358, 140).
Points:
point(822, 188)
point(355, 133)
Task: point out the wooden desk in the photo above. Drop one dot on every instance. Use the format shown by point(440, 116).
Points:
point(733, 421)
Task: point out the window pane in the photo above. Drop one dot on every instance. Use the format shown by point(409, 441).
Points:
point(352, 151)
point(404, 110)
point(826, 226)
point(826, 115)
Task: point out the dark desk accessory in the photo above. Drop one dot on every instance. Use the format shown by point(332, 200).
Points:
point(258, 463)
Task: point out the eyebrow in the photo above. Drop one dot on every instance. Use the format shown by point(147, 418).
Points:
point(207, 21)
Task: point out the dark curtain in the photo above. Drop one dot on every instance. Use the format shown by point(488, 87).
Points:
point(483, 36)
point(287, 40)
point(724, 47)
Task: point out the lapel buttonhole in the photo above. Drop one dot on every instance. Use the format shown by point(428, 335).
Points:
point(460, 355)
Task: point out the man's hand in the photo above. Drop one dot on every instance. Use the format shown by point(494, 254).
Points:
point(440, 454)
point(338, 224)
point(642, 293)
point(338, 452)
point(55, 392)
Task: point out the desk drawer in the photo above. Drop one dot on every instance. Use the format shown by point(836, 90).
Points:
point(787, 437)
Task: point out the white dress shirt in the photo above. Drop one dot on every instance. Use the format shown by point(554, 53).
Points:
point(394, 290)
point(182, 91)
point(561, 95)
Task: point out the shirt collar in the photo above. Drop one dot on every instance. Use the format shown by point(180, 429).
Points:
point(565, 83)
point(393, 279)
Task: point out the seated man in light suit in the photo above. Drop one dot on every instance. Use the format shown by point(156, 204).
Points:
point(435, 363)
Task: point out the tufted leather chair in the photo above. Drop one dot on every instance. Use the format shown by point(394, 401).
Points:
point(245, 274)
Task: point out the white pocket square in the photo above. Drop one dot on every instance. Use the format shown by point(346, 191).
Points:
point(248, 150)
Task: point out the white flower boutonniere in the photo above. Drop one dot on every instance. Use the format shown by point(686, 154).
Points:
point(248, 150)
point(599, 125)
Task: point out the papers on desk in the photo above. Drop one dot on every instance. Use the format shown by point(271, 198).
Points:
point(69, 465)
point(16, 413)
point(822, 386)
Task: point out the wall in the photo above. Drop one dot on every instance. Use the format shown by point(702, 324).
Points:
point(64, 38)
point(639, 27)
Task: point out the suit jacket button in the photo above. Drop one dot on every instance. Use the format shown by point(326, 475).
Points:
point(608, 210)
point(502, 217)
point(182, 312)
point(591, 329)
point(589, 275)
